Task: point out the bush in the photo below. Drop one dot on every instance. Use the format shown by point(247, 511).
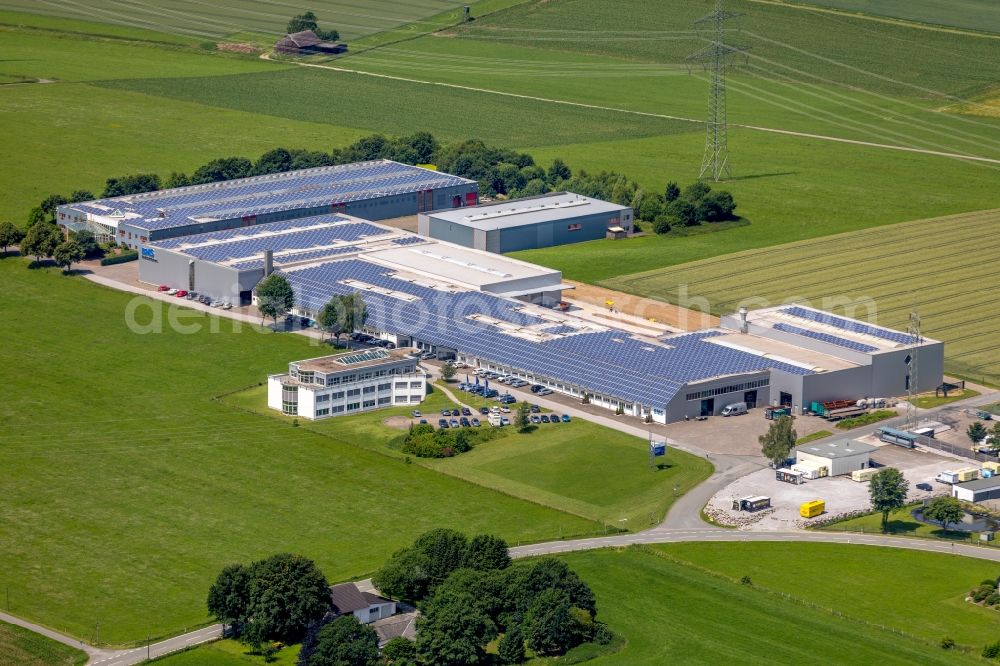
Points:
point(992, 651)
point(981, 593)
point(993, 599)
point(947, 643)
point(120, 259)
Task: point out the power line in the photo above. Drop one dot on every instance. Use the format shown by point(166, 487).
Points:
point(716, 58)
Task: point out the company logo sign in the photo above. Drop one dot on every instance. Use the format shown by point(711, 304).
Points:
point(148, 253)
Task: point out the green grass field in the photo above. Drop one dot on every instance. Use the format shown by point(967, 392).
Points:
point(20, 647)
point(227, 653)
point(352, 18)
point(682, 603)
point(932, 265)
point(968, 14)
point(920, 594)
point(554, 465)
point(127, 486)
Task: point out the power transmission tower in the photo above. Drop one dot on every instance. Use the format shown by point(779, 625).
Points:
point(716, 58)
point(911, 361)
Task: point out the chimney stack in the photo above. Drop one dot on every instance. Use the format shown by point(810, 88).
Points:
point(743, 320)
point(268, 262)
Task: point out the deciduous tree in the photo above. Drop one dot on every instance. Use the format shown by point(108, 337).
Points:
point(9, 235)
point(522, 420)
point(228, 597)
point(400, 652)
point(779, 440)
point(549, 625)
point(286, 593)
point(274, 297)
point(41, 240)
point(448, 371)
point(888, 492)
point(452, 631)
point(345, 642)
point(485, 552)
point(511, 648)
point(68, 253)
point(976, 432)
point(945, 510)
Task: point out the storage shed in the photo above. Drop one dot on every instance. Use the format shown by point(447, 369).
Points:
point(840, 457)
point(977, 491)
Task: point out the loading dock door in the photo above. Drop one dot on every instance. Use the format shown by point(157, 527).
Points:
point(750, 397)
point(708, 406)
point(785, 399)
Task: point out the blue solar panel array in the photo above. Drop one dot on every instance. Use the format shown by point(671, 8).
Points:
point(608, 362)
point(296, 257)
point(254, 230)
point(561, 330)
point(826, 337)
point(410, 240)
point(850, 325)
point(305, 237)
point(260, 195)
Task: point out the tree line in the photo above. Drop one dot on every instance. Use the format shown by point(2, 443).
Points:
point(500, 172)
point(467, 590)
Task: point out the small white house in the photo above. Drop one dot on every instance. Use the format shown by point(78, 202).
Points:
point(979, 490)
point(840, 457)
point(365, 606)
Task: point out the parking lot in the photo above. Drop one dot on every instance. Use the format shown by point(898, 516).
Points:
point(841, 494)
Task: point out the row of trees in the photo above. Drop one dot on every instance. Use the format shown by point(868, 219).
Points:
point(499, 171)
point(977, 433)
point(45, 240)
point(469, 594)
point(307, 21)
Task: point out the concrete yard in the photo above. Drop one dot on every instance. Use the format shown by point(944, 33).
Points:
point(841, 494)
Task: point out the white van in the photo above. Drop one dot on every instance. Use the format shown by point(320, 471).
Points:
point(735, 409)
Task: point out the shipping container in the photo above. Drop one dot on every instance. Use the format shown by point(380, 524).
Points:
point(967, 474)
point(812, 508)
point(862, 475)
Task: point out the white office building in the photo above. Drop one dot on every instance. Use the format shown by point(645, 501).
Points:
point(347, 383)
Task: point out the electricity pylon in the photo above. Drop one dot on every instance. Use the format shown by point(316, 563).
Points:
point(716, 58)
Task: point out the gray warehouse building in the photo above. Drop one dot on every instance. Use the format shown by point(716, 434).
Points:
point(376, 190)
point(551, 219)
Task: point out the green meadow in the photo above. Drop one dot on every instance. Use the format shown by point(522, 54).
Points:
point(20, 647)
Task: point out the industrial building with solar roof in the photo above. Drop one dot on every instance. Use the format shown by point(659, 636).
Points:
point(375, 190)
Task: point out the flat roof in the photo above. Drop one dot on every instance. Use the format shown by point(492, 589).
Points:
point(353, 360)
point(611, 362)
point(840, 331)
point(844, 448)
point(531, 210)
point(291, 241)
point(460, 265)
point(783, 351)
point(980, 484)
point(259, 195)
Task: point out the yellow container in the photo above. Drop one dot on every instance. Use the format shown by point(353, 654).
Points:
point(992, 466)
point(812, 509)
point(967, 474)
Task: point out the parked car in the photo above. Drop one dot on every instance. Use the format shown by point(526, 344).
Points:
point(535, 418)
point(554, 418)
point(544, 418)
point(484, 410)
point(171, 292)
point(423, 421)
point(181, 294)
point(475, 422)
point(466, 411)
point(504, 421)
point(417, 414)
point(216, 304)
point(924, 486)
point(453, 423)
point(205, 299)
point(455, 412)
point(442, 423)
point(535, 409)
point(227, 306)
point(163, 287)
point(464, 422)
point(535, 388)
point(565, 418)
point(505, 410)
point(445, 412)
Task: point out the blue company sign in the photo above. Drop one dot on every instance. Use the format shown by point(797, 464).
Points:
point(148, 253)
point(657, 449)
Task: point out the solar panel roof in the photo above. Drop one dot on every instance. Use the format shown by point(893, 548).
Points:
point(607, 362)
point(260, 195)
point(825, 337)
point(849, 324)
point(318, 237)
